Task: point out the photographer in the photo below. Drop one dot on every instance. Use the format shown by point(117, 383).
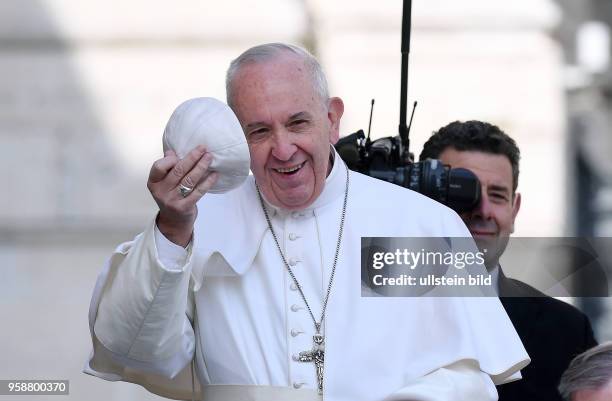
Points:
point(552, 331)
point(259, 287)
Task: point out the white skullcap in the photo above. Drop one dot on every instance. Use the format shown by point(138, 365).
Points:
point(210, 122)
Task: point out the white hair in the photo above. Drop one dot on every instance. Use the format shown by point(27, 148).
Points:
point(590, 370)
point(271, 51)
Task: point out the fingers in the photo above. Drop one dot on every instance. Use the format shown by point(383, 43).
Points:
point(177, 213)
point(197, 173)
point(169, 177)
point(161, 167)
point(184, 166)
point(205, 185)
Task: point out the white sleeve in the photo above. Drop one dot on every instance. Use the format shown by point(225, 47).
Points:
point(171, 256)
point(139, 310)
point(460, 381)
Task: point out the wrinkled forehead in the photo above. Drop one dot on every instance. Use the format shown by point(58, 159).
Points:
point(281, 86)
point(285, 68)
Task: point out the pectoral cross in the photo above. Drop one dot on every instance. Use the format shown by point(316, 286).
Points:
point(317, 355)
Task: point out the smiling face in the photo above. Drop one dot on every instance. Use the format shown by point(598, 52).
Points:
point(492, 221)
point(288, 127)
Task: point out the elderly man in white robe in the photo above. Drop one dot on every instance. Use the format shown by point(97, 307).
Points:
point(255, 294)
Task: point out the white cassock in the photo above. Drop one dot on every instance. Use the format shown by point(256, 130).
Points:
point(230, 305)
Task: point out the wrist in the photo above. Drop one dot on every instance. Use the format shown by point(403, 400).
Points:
point(179, 233)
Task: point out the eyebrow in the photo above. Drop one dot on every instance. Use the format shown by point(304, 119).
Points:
point(501, 188)
point(297, 116)
point(300, 115)
point(254, 125)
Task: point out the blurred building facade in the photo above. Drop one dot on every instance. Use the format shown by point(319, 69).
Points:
point(586, 40)
point(87, 87)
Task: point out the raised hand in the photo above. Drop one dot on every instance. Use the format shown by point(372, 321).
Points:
point(177, 185)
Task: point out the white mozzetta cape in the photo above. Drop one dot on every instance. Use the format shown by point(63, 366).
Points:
point(250, 321)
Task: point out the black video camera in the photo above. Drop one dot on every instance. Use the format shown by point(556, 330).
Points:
point(457, 188)
point(389, 159)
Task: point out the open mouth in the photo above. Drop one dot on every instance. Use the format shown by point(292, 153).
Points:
point(290, 170)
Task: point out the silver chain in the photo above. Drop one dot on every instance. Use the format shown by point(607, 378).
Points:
point(331, 278)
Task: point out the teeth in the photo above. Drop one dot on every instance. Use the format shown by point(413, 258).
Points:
point(289, 169)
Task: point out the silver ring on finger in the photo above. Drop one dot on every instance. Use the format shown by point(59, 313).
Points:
point(184, 190)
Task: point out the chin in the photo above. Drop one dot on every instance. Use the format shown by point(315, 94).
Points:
point(296, 203)
point(296, 198)
point(485, 242)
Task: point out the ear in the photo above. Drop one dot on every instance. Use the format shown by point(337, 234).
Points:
point(516, 205)
point(334, 113)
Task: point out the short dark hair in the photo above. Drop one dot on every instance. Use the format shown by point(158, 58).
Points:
point(474, 135)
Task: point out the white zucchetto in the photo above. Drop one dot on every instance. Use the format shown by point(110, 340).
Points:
point(210, 122)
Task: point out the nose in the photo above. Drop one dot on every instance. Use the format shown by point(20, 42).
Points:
point(283, 146)
point(484, 210)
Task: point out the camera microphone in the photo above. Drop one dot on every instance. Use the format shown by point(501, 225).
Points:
point(389, 158)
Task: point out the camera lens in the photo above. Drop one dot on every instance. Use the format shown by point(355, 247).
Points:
point(463, 190)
